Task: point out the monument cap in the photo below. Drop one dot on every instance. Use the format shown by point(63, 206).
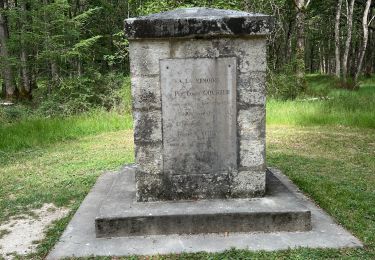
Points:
point(198, 22)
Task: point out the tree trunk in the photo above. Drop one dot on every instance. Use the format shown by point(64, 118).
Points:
point(370, 50)
point(54, 75)
point(288, 45)
point(25, 90)
point(337, 39)
point(365, 39)
point(312, 57)
point(348, 39)
point(79, 68)
point(321, 61)
point(7, 75)
point(300, 51)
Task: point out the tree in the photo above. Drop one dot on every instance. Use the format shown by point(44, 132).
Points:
point(365, 25)
point(10, 89)
point(301, 7)
point(350, 9)
point(25, 89)
point(337, 39)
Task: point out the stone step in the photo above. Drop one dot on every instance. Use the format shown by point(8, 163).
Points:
point(120, 214)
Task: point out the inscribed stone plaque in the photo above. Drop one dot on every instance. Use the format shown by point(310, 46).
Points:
point(199, 115)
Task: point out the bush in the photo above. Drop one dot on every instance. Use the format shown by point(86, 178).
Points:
point(13, 113)
point(81, 94)
point(348, 84)
point(285, 84)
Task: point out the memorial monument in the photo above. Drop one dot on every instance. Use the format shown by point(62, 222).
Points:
point(198, 87)
point(198, 82)
point(200, 181)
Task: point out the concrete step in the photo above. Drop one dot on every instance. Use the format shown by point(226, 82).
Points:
point(120, 214)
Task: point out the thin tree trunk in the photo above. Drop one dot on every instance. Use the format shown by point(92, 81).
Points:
point(288, 45)
point(25, 90)
point(54, 72)
point(365, 39)
point(312, 57)
point(348, 39)
point(7, 75)
point(301, 7)
point(321, 61)
point(54, 75)
point(79, 68)
point(300, 52)
point(337, 39)
point(370, 50)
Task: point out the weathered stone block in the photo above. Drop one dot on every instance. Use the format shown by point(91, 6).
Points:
point(251, 123)
point(249, 184)
point(252, 89)
point(192, 48)
point(145, 56)
point(202, 22)
point(252, 153)
point(200, 186)
point(250, 52)
point(146, 92)
point(149, 158)
point(147, 126)
point(151, 187)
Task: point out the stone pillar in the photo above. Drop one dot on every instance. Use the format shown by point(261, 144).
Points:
point(198, 86)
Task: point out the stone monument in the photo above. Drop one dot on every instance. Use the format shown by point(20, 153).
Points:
point(198, 82)
point(200, 181)
point(198, 88)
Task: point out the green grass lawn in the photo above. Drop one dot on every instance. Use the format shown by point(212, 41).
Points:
point(326, 147)
point(327, 105)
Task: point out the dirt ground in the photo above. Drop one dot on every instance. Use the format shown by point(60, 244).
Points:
point(20, 233)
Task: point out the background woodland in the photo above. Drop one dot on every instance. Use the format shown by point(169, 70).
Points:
point(63, 57)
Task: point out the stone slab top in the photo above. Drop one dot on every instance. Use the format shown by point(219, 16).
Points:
point(198, 22)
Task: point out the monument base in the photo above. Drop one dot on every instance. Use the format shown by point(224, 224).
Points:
point(121, 215)
point(79, 239)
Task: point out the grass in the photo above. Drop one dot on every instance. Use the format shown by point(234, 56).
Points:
point(39, 132)
point(320, 145)
point(332, 106)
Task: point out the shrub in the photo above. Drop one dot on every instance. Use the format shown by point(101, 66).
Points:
point(76, 95)
point(285, 84)
point(13, 113)
point(348, 84)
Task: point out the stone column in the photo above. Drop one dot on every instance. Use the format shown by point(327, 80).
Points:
point(198, 86)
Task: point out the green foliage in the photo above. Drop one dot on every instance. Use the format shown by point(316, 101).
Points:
point(327, 105)
point(81, 94)
point(84, 47)
point(285, 84)
point(13, 113)
point(84, 18)
point(347, 83)
point(121, 54)
point(150, 6)
point(75, 95)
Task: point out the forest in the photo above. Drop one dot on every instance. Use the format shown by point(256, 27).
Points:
point(63, 57)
